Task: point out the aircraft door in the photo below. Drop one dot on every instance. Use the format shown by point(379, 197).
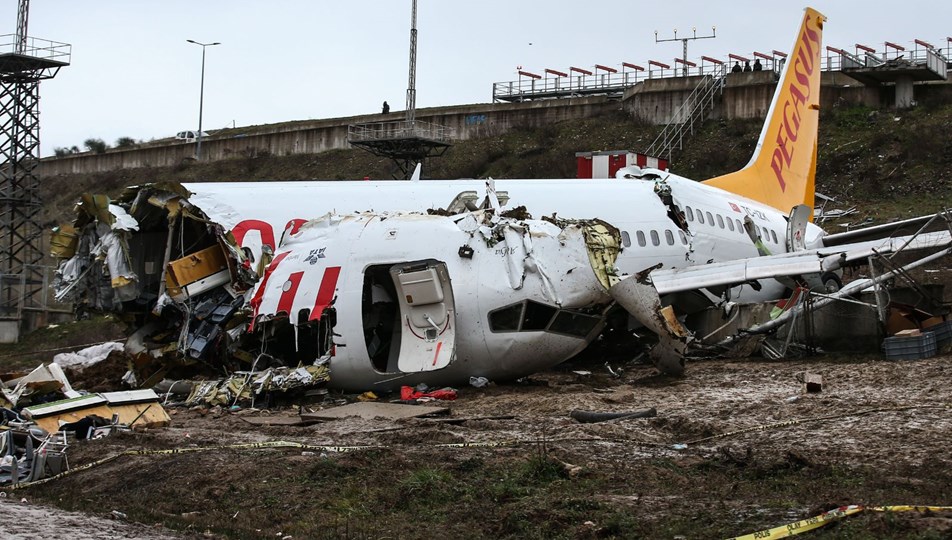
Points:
point(427, 315)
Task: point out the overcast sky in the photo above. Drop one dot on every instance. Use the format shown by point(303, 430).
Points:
point(134, 75)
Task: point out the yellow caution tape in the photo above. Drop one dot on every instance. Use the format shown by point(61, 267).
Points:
point(815, 522)
point(480, 444)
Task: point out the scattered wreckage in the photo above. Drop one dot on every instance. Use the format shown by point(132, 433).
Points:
point(41, 410)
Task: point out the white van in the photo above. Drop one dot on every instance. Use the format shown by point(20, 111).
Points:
point(189, 136)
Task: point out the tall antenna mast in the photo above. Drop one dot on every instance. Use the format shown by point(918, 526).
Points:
point(23, 16)
point(411, 87)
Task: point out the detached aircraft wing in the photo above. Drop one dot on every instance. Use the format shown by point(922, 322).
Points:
point(813, 261)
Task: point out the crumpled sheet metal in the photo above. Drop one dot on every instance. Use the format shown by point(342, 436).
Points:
point(246, 385)
point(641, 300)
point(42, 380)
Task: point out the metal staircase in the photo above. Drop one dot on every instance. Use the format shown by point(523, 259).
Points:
point(689, 115)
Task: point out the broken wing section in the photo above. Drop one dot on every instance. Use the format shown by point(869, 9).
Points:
point(815, 261)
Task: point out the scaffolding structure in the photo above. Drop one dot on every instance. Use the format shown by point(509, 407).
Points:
point(24, 62)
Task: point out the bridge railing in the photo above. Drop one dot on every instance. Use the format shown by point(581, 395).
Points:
point(36, 47)
point(399, 129)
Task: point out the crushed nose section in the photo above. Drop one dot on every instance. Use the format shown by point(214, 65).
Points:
point(641, 300)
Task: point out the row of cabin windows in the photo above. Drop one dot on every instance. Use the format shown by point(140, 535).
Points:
point(766, 234)
point(655, 238)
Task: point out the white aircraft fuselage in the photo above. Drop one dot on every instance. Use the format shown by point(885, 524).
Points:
point(261, 211)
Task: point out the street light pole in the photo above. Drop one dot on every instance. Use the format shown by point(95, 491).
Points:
point(201, 97)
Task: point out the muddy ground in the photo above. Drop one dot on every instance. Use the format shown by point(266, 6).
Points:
point(877, 434)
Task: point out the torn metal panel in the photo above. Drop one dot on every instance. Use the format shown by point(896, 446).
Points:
point(641, 300)
point(244, 387)
point(43, 380)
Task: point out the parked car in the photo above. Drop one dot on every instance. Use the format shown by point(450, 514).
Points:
point(189, 136)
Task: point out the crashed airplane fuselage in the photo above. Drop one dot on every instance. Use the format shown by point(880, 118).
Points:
point(406, 298)
point(382, 300)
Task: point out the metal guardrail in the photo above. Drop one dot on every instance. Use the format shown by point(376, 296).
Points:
point(400, 129)
point(528, 88)
point(841, 60)
point(574, 85)
point(36, 47)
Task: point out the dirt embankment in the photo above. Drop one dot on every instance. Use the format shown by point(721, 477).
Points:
point(891, 164)
point(510, 462)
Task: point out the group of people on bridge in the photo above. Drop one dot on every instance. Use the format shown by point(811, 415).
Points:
point(757, 66)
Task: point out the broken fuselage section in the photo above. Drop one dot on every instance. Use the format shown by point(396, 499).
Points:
point(382, 300)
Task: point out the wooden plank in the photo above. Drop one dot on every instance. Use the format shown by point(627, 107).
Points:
point(370, 410)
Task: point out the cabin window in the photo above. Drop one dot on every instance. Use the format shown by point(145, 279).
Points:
point(690, 214)
point(625, 239)
point(730, 224)
point(574, 324)
point(655, 239)
point(641, 238)
point(774, 236)
point(669, 237)
point(720, 221)
point(740, 227)
point(710, 219)
point(700, 216)
point(684, 237)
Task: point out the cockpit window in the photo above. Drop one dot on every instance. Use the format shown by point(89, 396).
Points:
point(537, 316)
point(506, 319)
point(529, 316)
point(574, 323)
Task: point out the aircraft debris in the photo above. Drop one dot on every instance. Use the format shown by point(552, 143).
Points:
point(245, 387)
point(422, 394)
point(40, 384)
point(132, 408)
point(28, 453)
point(89, 356)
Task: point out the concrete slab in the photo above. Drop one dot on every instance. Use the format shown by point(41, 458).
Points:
point(369, 410)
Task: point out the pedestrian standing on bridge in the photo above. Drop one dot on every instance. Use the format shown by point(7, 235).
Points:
point(386, 107)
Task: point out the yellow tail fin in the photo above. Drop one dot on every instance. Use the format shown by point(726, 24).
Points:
point(782, 170)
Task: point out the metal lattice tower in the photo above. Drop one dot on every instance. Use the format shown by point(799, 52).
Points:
point(406, 142)
point(411, 85)
point(24, 62)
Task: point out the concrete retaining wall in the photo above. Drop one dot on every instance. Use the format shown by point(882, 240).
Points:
point(746, 96)
point(317, 136)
